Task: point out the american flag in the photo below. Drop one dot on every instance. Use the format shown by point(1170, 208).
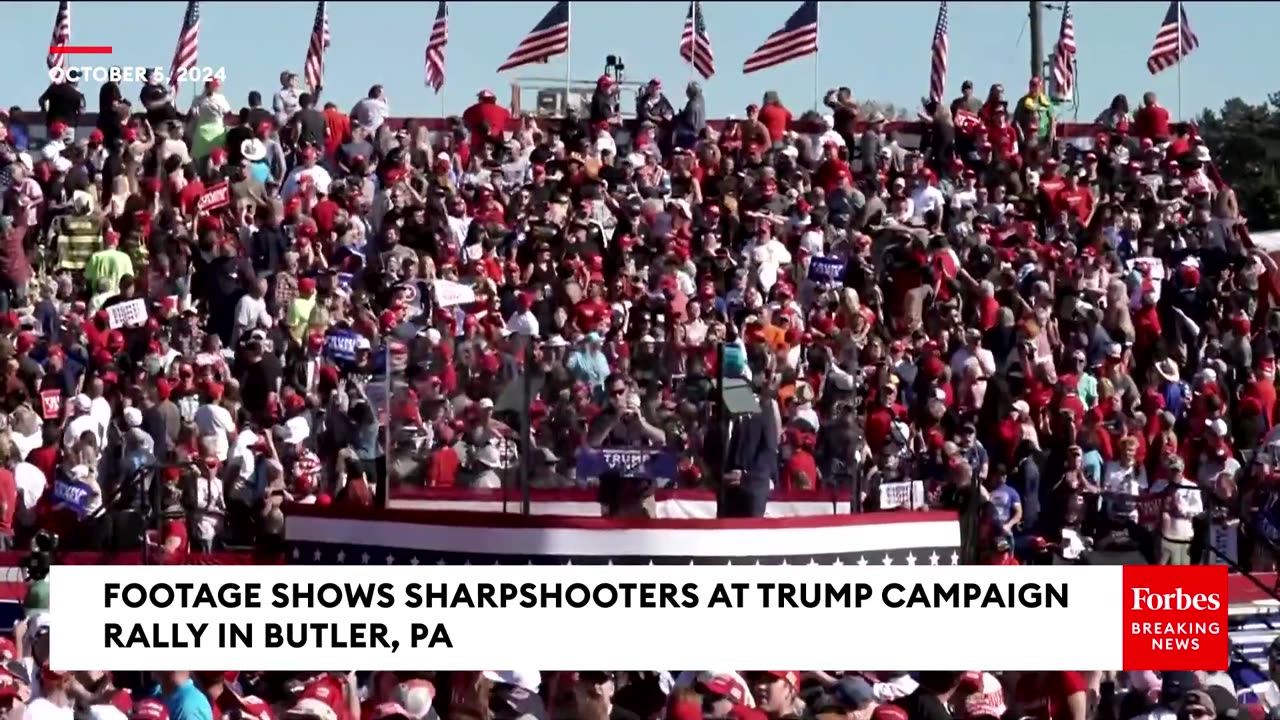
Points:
point(796, 39)
point(184, 56)
point(61, 36)
point(313, 68)
point(1064, 56)
point(550, 37)
point(695, 43)
point(355, 536)
point(1174, 40)
point(435, 48)
point(938, 56)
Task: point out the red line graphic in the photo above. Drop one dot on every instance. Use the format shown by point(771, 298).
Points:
point(80, 49)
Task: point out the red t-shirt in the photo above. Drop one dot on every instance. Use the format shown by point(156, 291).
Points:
point(831, 172)
point(9, 499)
point(1078, 201)
point(491, 114)
point(1152, 123)
point(1043, 695)
point(190, 195)
point(801, 462)
point(442, 471)
point(339, 128)
point(776, 119)
point(1051, 187)
point(325, 213)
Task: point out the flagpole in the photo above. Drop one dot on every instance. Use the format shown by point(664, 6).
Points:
point(817, 10)
point(693, 38)
point(1180, 25)
point(568, 59)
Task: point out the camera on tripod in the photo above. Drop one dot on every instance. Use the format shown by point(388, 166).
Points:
point(614, 68)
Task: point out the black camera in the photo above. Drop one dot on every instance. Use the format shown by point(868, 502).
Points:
point(36, 564)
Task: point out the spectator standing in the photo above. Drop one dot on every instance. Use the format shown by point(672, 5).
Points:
point(287, 101)
point(371, 112)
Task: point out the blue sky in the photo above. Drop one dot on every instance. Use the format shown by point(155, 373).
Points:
point(881, 50)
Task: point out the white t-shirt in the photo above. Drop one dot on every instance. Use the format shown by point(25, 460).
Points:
point(370, 113)
point(248, 312)
point(292, 184)
point(31, 484)
point(100, 409)
point(926, 198)
point(78, 426)
point(523, 323)
point(215, 420)
point(767, 259)
point(41, 709)
point(210, 506)
point(211, 109)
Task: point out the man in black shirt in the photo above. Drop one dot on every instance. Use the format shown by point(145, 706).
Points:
point(156, 101)
point(109, 99)
point(309, 123)
point(62, 102)
point(257, 113)
point(259, 376)
point(243, 130)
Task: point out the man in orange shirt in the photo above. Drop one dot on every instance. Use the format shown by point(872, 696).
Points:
point(339, 129)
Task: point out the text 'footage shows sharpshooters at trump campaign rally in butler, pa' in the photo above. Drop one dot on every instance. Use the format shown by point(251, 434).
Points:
point(596, 325)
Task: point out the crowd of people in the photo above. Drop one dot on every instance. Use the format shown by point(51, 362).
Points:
point(1071, 340)
point(33, 692)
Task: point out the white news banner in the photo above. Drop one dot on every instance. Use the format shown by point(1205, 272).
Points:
point(584, 617)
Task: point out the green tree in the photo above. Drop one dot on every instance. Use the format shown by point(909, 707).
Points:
point(1245, 142)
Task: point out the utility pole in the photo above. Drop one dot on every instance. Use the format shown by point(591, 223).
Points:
point(1037, 42)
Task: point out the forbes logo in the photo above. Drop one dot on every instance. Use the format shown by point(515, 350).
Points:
point(1146, 599)
point(1175, 617)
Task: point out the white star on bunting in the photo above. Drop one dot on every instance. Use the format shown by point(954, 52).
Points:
point(391, 558)
point(955, 558)
point(296, 553)
point(862, 561)
point(413, 560)
point(342, 556)
point(364, 558)
point(316, 555)
point(813, 561)
point(911, 558)
point(838, 561)
point(887, 561)
point(933, 558)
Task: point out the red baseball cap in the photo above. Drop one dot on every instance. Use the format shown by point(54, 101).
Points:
point(149, 709)
point(791, 676)
point(725, 687)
